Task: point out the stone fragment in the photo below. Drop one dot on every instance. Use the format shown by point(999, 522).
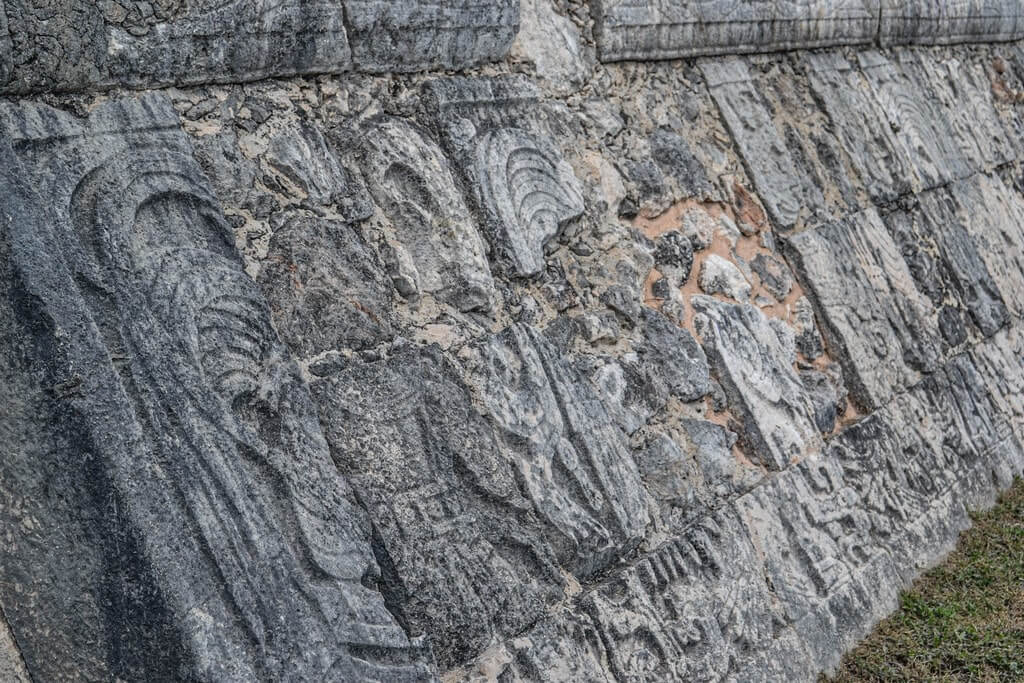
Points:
point(882, 328)
point(779, 184)
point(808, 339)
point(756, 370)
point(944, 23)
point(463, 555)
point(908, 106)
point(638, 29)
point(326, 289)
point(673, 154)
point(524, 189)
point(559, 426)
point(417, 35)
point(412, 181)
point(553, 44)
point(774, 274)
point(215, 538)
point(720, 276)
point(673, 252)
point(671, 356)
point(871, 148)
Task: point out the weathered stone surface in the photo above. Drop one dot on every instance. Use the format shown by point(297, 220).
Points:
point(462, 553)
point(6, 61)
point(412, 181)
point(414, 35)
point(523, 187)
point(12, 668)
point(873, 315)
point(923, 22)
point(779, 184)
point(909, 107)
point(756, 368)
point(720, 276)
point(870, 145)
point(562, 429)
point(640, 29)
point(207, 469)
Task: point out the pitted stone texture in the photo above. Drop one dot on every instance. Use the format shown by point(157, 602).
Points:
point(924, 22)
point(210, 475)
point(642, 29)
point(755, 366)
point(882, 327)
point(909, 107)
point(416, 35)
point(780, 185)
point(6, 58)
point(412, 181)
point(463, 555)
point(993, 215)
point(870, 145)
point(524, 189)
point(12, 668)
point(555, 419)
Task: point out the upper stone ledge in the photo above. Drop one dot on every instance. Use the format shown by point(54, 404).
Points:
point(76, 45)
point(671, 29)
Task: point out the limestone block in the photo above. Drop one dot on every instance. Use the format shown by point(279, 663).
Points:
point(208, 468)
point(523, 187)
point(779, 184)
point(466, 556)
point(412, 181)
point(933, 22)
point(908, 106)
point(882, 327)
point(872, 148)
point(755, 367)
point(415, 35)
point(642, 29)
point(561, 427)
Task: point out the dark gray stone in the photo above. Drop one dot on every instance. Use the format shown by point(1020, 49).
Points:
point(210, 487)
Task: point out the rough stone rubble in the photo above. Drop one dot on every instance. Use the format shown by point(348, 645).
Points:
point(621, 354)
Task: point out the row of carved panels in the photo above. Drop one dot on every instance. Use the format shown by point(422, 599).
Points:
point(665, 29)
point(70, 45)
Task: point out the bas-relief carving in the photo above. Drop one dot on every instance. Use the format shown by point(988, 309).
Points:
point(207, 429)
point(666, 29)
point(941, 23)
point(780, 186)
point(416, 35)
point(413, 183)
point(993, 215)
point(909, 107)
point(882, 326)
point(756, 368)
point(526, 191)
point(574, 463)
point(871, 148)
point(462, 550)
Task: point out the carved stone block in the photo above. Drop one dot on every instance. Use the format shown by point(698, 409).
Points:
point(664, 29)
point(523, 187)
point(199, 432)
point(930, 22)
point(882, 327)
point(755, 367)
point(415, 35)
point(872, 148)
point(993, 215)
point(573, 460)
point(908, 106)
point(412, 182)
point(781, 187)
point(462, 553)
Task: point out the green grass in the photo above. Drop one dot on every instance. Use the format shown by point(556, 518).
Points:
point(962, 621)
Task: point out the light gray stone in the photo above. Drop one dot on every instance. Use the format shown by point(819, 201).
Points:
point(412, 182)
point(881, 326)
point(720, 276)
point(779, 184)
point(922, 22)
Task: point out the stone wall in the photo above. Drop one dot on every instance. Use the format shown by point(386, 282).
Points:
point(322, 362)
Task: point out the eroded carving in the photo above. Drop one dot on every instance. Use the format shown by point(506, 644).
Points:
point(873, 315)
point(212, 442)
point(526, 191)
point(435, 231)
